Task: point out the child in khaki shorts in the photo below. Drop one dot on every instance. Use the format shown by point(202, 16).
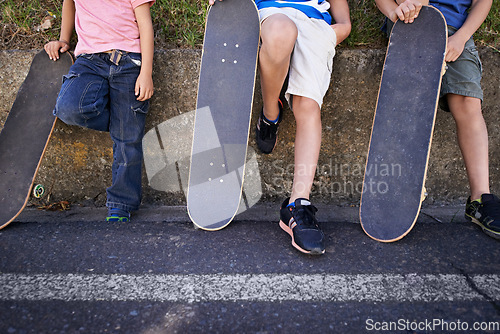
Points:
point(461, 94)
point(299, 38)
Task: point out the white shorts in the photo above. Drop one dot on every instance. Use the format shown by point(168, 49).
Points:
point(312, 57)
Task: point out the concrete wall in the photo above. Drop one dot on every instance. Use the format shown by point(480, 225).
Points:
point(77, 163)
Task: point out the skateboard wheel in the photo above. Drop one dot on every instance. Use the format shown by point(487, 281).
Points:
point(38, 191)
point(424, 194)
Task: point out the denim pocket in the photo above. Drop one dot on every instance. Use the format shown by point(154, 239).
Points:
point(88, 56)
point(69, 76)
point(134, 58)
point(140, 107)
point(66, 83)
point(139, 115)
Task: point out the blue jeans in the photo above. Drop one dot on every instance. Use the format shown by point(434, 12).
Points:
point(99, 95)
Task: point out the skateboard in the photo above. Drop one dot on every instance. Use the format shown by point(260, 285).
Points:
point(396, 166)
point(27, 131)
point(223, 113)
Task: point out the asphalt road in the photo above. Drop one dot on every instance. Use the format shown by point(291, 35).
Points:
point(70, 272)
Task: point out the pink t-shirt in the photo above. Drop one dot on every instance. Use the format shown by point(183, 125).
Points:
point(103, 25)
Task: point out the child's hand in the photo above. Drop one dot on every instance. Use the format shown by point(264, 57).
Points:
point(455, 47)
point(212, 2)
point(144, 87)
point(407, 11)
point(53, 48)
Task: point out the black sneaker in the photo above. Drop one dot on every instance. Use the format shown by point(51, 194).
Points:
point(485, 213)
point(299, 222)
point(267, 132)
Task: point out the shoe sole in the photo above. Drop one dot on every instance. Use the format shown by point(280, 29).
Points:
point(486, 230)
point(288, 230)
point(117, 220)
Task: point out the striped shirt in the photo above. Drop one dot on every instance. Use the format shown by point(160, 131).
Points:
point(316, 9)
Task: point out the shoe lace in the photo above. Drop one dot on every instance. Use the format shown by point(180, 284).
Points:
point(492, 209)
point(304, 215)
point(267, 130)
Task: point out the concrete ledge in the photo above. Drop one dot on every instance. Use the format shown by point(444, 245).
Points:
point(262, 212)
point(77, 165)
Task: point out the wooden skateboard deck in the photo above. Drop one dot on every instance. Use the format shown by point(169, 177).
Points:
point(27, 131)
point(224, 105)
point(393, 187)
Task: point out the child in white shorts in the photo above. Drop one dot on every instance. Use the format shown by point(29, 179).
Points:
point(311, 63)
point(299, 39)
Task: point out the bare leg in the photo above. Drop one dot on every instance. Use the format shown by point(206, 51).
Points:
point(278, 34)
point(472, 137)
point(307, 145)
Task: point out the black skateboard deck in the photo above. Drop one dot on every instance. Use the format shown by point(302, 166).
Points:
point(396, 167)
point(224, 105)
point(26, 132)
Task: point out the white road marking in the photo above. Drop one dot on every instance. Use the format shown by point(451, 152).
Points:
point(250, 287)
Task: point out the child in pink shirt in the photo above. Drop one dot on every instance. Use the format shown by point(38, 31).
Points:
point(109, 86)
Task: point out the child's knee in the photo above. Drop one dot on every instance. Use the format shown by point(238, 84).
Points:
point(67, 111)
point(305, 109)
point(279, 30)
point(464, 106)
point(71, 112)
point(79, 109)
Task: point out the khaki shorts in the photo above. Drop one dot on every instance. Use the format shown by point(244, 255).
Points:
point(312, 58)
point(463, 76)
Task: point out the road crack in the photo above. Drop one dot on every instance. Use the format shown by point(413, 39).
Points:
point(472, 284)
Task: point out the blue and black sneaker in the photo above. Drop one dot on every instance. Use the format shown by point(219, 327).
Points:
point(118, 215)
point(485, 212)
point(267, 131)
point(298, 220)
